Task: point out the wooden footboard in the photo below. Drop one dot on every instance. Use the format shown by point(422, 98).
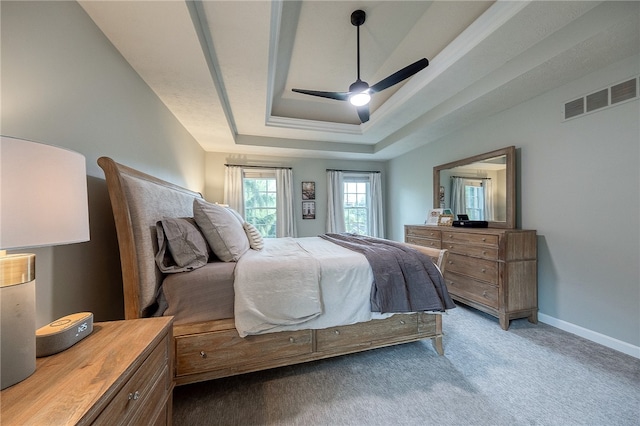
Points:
point(213, 349)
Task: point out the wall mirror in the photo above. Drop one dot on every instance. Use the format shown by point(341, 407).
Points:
point(482, 186)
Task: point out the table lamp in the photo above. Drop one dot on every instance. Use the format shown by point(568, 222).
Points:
point(43, 202)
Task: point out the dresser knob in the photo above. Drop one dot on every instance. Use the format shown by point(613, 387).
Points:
point(292, 340)
point(402, 322)
point(483, 270)
point(203, 354)
point(134, 396)
point(484, 239)
point(484, 293)
point(337, 331)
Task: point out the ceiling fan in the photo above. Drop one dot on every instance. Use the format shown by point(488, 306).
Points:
point(360, 92)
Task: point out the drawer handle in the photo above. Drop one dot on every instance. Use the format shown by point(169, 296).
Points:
point(336, 331)
point(292, 340)
point(484, 253)
point(203, 354)
point(134, 396)
point(484, 270)
point(451, 262)
point(484, 239)
point(402, 322)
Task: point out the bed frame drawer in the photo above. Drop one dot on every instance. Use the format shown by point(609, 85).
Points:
point(398, 326)
point(225, 349)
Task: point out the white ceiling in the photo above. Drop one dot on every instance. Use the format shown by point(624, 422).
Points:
point(226, 68)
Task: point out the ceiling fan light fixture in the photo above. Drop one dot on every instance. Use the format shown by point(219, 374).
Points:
point(360, 99)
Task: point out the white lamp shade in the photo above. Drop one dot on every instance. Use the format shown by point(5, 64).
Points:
point(43, 195)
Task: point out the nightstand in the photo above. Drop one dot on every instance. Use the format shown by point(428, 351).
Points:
point(120, 374)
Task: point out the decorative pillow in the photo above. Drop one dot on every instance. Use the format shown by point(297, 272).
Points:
point(222, 230)
point(255, 238)
point(236, 214)
point(182, 246)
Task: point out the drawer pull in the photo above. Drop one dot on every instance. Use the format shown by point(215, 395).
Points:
point(203, 354)
point(484, 293)
point(292, 340)
point(484, 270)
point(336, 331)
point(402, 322)
point(484, 239)
point(134, 396)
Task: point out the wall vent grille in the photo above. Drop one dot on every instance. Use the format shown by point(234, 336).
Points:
point(607, 97)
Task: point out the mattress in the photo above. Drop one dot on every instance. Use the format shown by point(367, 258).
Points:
point(204, 294)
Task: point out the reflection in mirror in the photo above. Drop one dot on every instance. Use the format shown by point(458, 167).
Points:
point(481, 187)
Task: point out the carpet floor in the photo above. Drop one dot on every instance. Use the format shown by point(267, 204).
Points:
point(529, 375)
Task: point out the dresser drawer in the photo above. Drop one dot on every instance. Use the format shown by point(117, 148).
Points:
point(469, 238)
point(139, 390)
point(484, 270)
point(424, 232)
point(468, 288)
point(399, 325)
point(224, 349)
point(484, 252)
point(424, 242)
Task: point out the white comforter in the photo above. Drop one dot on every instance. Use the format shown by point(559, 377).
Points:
point(301, 283)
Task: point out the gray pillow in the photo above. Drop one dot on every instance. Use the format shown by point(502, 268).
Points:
point(222, 230)
point(181, 245)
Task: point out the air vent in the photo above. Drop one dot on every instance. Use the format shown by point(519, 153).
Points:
point(624, 91)
point(607, 97)
point(598, 100)
point(573, 108)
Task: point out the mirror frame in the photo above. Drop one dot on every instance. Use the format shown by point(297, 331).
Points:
point(510, 153)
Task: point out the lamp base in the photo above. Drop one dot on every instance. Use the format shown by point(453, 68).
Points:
point(17, 318)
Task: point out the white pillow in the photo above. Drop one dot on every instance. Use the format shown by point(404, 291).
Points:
point(222, 230)
point(255, 238)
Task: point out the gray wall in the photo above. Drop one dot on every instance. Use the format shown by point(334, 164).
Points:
point(64, 84)
point(578, 187)
point(303, 169)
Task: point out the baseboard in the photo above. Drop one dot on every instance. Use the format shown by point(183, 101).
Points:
point(602, 339)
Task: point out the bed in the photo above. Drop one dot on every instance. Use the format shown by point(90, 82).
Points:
point(207, 341)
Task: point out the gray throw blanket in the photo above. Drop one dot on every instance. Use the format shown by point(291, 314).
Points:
point(405, 280)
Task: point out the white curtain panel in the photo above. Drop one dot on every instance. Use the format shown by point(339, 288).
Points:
point(458, 205)
point(233, 191)
point(335, 202)
point(488, 199)
point(376, 212)
point(286, 219)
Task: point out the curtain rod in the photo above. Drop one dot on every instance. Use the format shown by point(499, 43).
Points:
point(257, 167)
point(353, 171)
point(470, 177)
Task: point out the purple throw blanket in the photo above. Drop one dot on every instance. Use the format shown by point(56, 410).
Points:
point(405, 280)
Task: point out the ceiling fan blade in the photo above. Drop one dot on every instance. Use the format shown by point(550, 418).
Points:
point(339, 96)
point(363, 113)
point(398, 76)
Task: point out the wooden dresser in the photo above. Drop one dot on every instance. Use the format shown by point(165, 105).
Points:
point(491, 269)
point(120, 374)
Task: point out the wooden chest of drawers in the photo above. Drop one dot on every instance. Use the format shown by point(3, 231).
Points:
point(121, 374)
point(493, 270)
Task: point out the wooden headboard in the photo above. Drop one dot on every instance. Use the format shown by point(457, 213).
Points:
point(138, 201)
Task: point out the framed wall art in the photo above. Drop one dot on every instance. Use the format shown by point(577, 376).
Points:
point(308, 209)
point(308, 190)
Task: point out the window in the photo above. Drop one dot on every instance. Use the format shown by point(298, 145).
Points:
point(356, 204)
point(474, 200)
point(260, 201)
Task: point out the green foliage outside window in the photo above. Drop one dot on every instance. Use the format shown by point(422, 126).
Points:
point(356, 207)
point(260, 205)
